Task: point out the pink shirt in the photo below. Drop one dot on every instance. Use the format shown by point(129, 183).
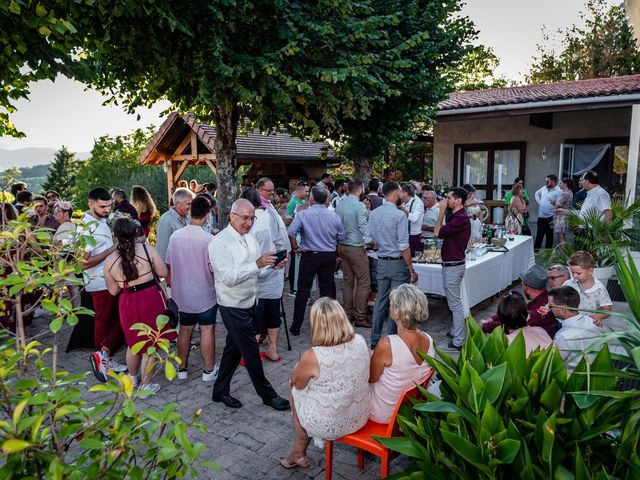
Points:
point(192, 285)
point(534, 337)
point(397, 378)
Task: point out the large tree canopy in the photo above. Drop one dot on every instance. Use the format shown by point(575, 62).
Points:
point(601, 45)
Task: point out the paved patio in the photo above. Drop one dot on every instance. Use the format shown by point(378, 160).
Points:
point(248, 441)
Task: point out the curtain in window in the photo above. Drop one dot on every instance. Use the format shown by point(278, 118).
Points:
point(587, 157)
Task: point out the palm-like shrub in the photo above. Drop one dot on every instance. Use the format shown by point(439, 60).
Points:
point(505, 415)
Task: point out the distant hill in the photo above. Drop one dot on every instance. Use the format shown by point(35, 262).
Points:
point(28, 157)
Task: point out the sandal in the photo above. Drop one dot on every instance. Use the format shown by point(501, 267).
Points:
point(302, 462)
point(265, 356)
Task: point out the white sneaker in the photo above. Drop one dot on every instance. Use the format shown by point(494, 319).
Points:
point(116, 366)
point(149, 388)
point(183, 374)
point(212, 375)
point(135, 380)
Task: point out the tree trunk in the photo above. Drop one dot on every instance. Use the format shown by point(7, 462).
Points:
point(226, 119)
point(362, 169)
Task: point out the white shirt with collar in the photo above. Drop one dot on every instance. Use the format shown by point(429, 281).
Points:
point(271, 236)
point(576, 335)
point(597, 199)
point(233, 261)
point(543, 197)
point(415, 207)
point(430, 219)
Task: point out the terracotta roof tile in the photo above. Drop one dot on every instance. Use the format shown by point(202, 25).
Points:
point(598, 87)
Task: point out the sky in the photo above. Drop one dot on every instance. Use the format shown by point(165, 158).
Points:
point(64, 112)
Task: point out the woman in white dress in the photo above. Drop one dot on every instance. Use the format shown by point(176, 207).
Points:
point(329, 385)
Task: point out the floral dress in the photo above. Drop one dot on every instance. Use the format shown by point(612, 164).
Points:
point(560, 219)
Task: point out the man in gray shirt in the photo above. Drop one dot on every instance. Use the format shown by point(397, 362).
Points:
point(355, 262)
point(388, 229)
point(173, 219)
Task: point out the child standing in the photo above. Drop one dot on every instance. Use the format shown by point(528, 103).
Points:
point(593, 294)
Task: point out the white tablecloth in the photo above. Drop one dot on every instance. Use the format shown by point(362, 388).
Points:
point(484, 277)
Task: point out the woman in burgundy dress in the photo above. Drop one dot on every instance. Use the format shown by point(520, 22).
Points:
point(127, 272)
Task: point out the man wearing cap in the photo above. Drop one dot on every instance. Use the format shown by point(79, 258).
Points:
point(454, 235)
point(534, 284)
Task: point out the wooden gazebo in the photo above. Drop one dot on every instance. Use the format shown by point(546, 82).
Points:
point(181, 142)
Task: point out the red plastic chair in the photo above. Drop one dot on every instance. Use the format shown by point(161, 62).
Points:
point(364, 442)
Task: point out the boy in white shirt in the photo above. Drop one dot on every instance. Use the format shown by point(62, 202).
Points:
point(593, 294)
point(578, 331)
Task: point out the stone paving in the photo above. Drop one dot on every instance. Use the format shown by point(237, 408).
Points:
point(248, 441)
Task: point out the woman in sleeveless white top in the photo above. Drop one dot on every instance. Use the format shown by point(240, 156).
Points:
point(396, 364)
point(403, 373)
point(330, 393)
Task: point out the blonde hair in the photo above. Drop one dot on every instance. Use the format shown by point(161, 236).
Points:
point(408, 306)
point(582, 259)
point(142, 201)
point(329, 324)
point(517, 189)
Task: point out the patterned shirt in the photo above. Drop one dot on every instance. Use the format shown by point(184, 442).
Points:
point(388, 228)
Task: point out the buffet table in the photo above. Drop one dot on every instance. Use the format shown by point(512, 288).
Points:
point(485, 277)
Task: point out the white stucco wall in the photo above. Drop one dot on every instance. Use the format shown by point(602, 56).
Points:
point(566, 125)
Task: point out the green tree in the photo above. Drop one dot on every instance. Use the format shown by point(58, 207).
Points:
point(113, 162)
point(62, 174)
point(422, 49)
point(602, 45)
point(309, 65)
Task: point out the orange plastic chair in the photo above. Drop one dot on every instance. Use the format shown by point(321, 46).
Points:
point(364, 442)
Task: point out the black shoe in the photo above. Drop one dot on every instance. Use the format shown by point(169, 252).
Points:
point(294, 331)
point(453, 346)
point(277, 403)
point(227, 399)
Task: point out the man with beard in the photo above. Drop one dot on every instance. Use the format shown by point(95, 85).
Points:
point(107, 330)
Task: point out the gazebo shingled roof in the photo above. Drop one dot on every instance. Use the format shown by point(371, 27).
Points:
point(181, 142)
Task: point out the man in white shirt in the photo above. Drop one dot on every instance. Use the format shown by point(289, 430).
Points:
point(338, 194)
point(578, 332)
point(236, 264)
point(597, 197)
point(271, 234)
point(431, 211)
point(546, 209)
point(107, 332)
point(413, 207)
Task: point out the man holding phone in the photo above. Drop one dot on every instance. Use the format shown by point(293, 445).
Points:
point(320, 231)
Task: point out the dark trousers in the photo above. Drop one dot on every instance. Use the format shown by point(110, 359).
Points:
point(544, 228)
point(241, 343)
point(322, 264)
point(292, 272)
point(415, 243)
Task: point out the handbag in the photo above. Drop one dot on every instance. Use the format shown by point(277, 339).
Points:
point(170, 306)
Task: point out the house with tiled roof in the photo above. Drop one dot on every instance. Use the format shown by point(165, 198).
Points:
point(490, 137)
point(181, 142)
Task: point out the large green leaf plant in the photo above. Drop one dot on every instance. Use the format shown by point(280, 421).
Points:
point(503, 414)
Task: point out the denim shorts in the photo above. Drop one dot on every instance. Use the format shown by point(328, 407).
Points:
point(203, 319)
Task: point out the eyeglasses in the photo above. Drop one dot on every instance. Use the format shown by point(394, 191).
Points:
point(51, 197)
point(271, 190)
point(553, 277)
point(245, 218)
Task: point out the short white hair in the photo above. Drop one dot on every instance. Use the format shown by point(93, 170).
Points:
point(241, 202)
point(429, 193)
point(181, 194)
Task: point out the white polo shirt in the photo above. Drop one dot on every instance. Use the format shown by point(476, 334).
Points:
point(101, 233)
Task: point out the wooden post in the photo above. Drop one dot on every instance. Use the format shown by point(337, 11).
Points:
point(171, 177)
